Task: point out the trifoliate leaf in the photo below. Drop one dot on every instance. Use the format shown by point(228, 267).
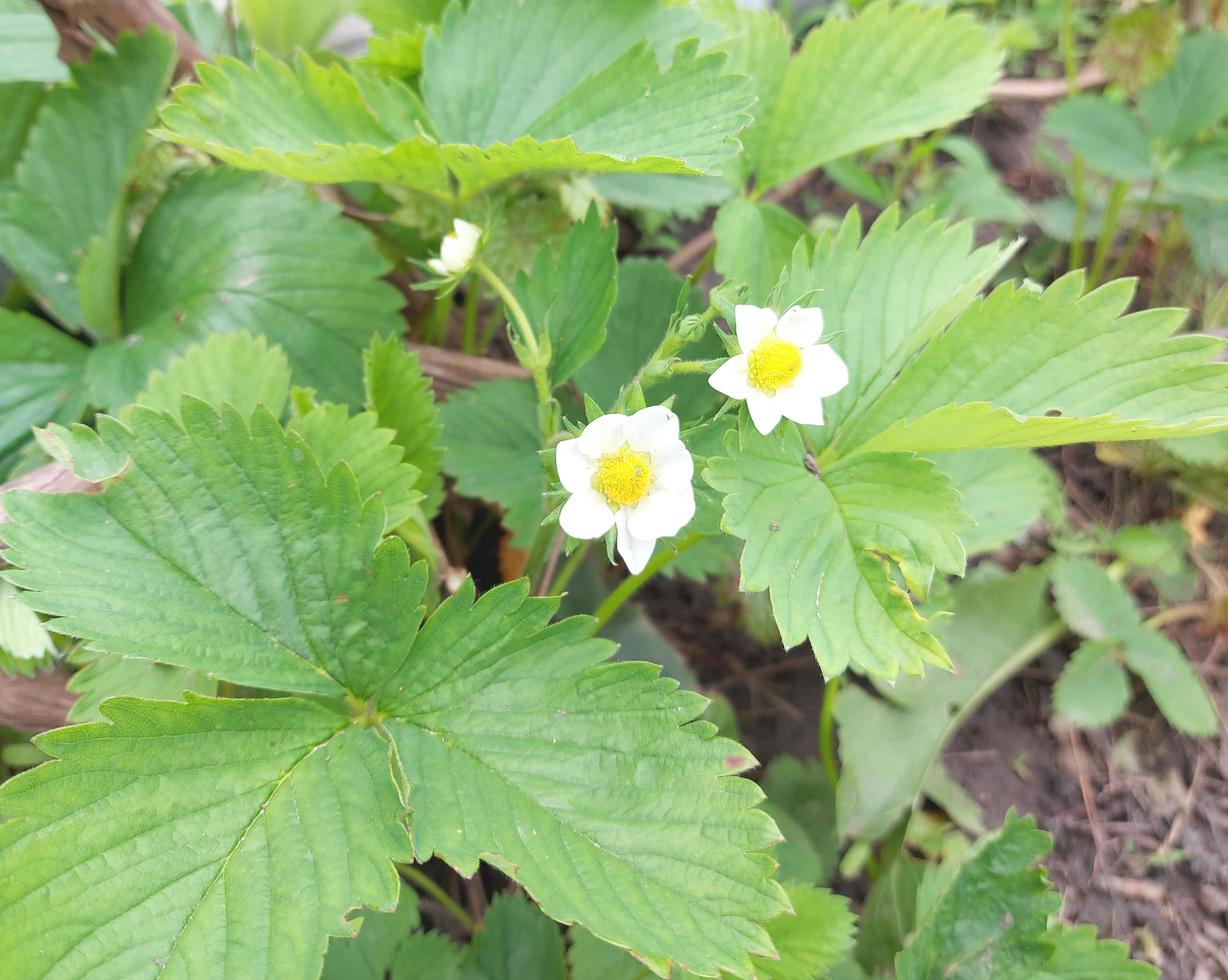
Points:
point(195, 837)
point(1193, 93)
point(256, 581)
point(1004, 491)
point(400, 395)
point(29, 44)
point(335, 436)
point(1079, 955)
point(227, 251)
point(66, 238)
point(104, 675)
point(1171, 681)
point(1026, 369)
point(233, 368)
point(490, 442)
point(1090, 601)
point(828, 545)
point(370, 954)
point(1105, 134)
point(1093, 689)
point(515, 942)
point(40, 377)
point(988, 916)
point(585, 94)
point(754, 242)
point(890, 72)
point(569, 294)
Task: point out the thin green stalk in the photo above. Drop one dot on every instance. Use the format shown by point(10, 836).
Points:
point(1136, 237)
point(827, 729)
point(703, 266)
point(1108, 231)
point(573, 562)
point(633, 583)
point(535, 362)
point(1078, 186)
point(473, 290)
point(428, 886)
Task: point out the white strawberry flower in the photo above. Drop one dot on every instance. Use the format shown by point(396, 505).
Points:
point(783, 371)
point(629, 472)
point(457, 249)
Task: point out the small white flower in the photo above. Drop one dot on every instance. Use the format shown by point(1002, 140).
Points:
point(457, 249)
point(632, 473)
point(783, 370)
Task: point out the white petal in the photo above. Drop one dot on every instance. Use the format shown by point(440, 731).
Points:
point(603, 435)
point(753, 323)
point(763, 410)
point(467, 234)
point(802, 326)
point(732, 378)
point(455, 254)
point(801, 404)
point(635, 551)
point(655, 427)
point(586, 515)
point(662, 514)
point(673, 468)
point(437, 267)
point(575, 469)
point(823, 371)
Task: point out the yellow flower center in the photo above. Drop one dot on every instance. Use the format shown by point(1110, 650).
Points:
point(774, 364)
point(623, 477)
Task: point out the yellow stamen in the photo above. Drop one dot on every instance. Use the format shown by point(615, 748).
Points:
point(623, 477)
point(774, 364)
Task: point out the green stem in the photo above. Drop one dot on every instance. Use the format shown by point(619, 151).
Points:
point(1078, 187)
point(535, 362)
point(827, 727)
point(428, 886)
point(1108, 232)
point(472, 298)
point(633, 583)
point(703, 266)
point(1127, 253)
point(574, 561)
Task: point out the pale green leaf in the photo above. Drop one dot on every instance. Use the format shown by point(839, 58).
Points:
point(1207, 226)
point(1026, 369)
point(79, 448)
point(255, 583)
point(828, 544)
point(1090, 601)
point(40, 377)
point(400, 395)
point(890, 72)
point(958, 804)
point(22, 635)
point(800, 792)
point(521, 750)
point(814, 938)
point(105, 676)
point(1202, 170)
point(569, 294)
point(29, 44)
point(427, 954)
point(1079, 955)
point(19, 105)
point(889, 913)
point(282, 26)
point(370, 954)
point(234, 368)
point(1005, 491)
point(189, 839)
point(1193, 94)
point(755, 240)
point(1093, 689)
point(490, 443)
point(515, 942)
point(1171, 681)
point(52, 229)
point(1105, 134)
point(335, 436)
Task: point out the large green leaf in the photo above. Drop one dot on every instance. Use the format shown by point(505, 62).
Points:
point(754, 242)
point(40, 377)
point(828, 546)
point(1105, 134)
point(577, 92)
point(29, 44)
point(66, 237)
point(1022, 368)
point(19, 105)
point(1079, 955)
point(890, 72)
point(515, 942)
point(1193, 93)
point(189, 839)
point(370, 954)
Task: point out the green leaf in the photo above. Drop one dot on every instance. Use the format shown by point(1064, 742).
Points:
point(828, 546)
point(888, 744)
point(400, 395)
point(1079, 955)
point(988, 918)
point(370, 954)
point(569, 295)
point(428, 954)
point(518, 746)
point(890, 72)
point(1105, 134)
point(1091, 602)
point(591, 959)
point(40, 377)
point(584, 96)
point(29, 44)
point(66, 238)
point(1171, 681)
point(890, 912)
point(228, 251)
point(1026, 369)
point(234, 368)
point(79, 448)
point(515, 942)
point(1093, 689)
point(490, 443)
point(1207, 226)
point(1005, 491)
point(260, 590)
point(800, 795)
point(1202, 170)
point(1193, 94)
point(19, 105)
point(24, 641)
point(105, 676)
point(283, 27)
point(335, 436)
point(815, 937)
point(235, 832)
point(754, 242)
